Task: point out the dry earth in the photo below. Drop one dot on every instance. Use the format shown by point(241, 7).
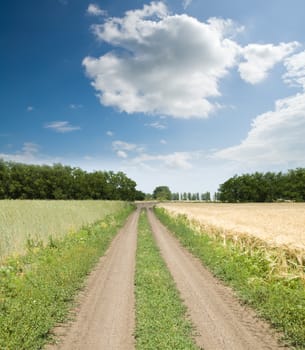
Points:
point(105, 316)
point(221, 322)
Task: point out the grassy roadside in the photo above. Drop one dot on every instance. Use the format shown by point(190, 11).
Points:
point(279, 300)
point(37, 289)
point(160, 315)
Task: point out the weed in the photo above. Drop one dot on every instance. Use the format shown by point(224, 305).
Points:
point(160, 315)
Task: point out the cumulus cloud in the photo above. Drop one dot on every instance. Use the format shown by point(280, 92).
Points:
point(61, 126)
point(276, 137)
point(295, 66)
point(167, 64)
point(259, 59)
point(109, 133)
point(95, 10)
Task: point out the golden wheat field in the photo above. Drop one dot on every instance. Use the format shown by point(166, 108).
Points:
point(37, 220)
point(278, 224)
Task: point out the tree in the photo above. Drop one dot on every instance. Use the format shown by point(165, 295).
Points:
point(22, 181)
point(162, 193)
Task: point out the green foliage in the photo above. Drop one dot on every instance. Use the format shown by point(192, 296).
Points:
point(37, 290)
point(162, 193)
point(22, 181)
point(267, 187)
point(279, 300)
point(160, 314)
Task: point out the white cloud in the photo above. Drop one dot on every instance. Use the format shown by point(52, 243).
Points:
point(27, 154)
point(109, 133)
point(30, 108)
point(121, 145)
point(95, 10)
point(259, 59)
point(172, 64)
point(61, 126)
point(157, 125)
point(163, 142)
point(122, 148)
point(75, 106)
point(186, 3)
point(30, 148)
point(176, 160)
point(276, 137)
point(295, 66)
point(122, 154)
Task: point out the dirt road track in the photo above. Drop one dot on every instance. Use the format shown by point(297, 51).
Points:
point(220, 321)
point(105, 317)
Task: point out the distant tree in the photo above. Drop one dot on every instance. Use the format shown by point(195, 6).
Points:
point(140, 196)
point(162, 193)
point(148, 196)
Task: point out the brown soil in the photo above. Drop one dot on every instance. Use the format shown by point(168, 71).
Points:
point(105, 316)
point(221, 322)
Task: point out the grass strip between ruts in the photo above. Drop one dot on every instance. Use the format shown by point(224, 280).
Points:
point(37, 290)
point(277, 299)
point(160, 314)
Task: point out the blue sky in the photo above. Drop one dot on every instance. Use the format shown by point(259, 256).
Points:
point(177, 93)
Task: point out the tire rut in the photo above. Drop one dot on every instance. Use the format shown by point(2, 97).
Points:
point(105, 317)
point(220, 321)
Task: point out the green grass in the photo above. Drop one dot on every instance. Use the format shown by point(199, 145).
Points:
point(36, 220)
point(160, 315)
point(277, 299)
point(38, 289)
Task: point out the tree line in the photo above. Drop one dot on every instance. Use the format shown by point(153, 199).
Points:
point(164, 193)
point(23, 181)
point(265, 187)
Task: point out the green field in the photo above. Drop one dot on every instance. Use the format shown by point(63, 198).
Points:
point(32, 222)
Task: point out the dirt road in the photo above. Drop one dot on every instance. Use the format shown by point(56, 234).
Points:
point(105, 317)
point(221, 322)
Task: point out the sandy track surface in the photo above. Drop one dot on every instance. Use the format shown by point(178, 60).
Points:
point(105, 316)
point(221, 322)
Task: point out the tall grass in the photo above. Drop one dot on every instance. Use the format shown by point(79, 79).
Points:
point(30, 222)
point(256, 277)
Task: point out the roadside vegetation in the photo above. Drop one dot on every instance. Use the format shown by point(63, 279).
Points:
point(255, 274)
point(160, 315)
point(38, 288)
point(32, 222)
